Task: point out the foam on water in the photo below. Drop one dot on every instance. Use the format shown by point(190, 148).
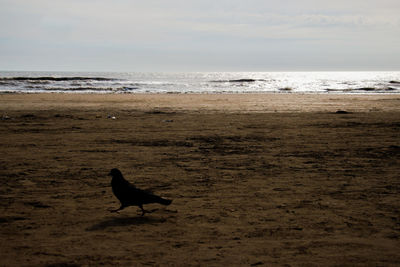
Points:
point(202, 82)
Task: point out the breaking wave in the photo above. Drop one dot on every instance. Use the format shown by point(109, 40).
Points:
point(202, 82)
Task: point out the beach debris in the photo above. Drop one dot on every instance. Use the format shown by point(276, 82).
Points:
point(156, 111)
point(111, 117)
point(368, 89)
point(5, 117)
point(37, 204)
point(9, 219)
point(342, 112)
point(28, 116)
point(286, 89)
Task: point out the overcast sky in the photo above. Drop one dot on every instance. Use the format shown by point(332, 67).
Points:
point(206, 35)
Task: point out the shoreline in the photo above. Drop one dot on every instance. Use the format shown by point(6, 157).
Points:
point(258, 102)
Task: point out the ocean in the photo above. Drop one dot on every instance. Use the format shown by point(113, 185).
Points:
point(377, 82)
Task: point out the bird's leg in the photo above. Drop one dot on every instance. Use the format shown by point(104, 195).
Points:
point(120, 208)
point(143, 211)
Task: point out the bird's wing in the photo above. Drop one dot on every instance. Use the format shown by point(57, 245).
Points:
point(144, 196)
point(124, 191)
point(128, 194)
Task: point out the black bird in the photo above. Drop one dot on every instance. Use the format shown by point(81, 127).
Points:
point(129, 195)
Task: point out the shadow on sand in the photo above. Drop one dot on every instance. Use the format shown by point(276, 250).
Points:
point(124, 221)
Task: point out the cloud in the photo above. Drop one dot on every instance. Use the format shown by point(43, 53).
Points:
point(191, 30)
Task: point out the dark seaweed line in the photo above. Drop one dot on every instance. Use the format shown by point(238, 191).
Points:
point(239, 81)
point(363, 89)
point(56, 79)
point(156, 143)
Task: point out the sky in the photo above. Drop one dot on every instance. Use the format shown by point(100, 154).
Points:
point(206, 35)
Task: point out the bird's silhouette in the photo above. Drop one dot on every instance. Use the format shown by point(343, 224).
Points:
point(129, 195)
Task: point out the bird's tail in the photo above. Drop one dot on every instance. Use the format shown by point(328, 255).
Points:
point(164, 201)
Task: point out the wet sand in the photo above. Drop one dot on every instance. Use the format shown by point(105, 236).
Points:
point(268, 179)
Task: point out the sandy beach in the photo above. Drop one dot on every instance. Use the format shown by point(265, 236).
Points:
point(255, 179)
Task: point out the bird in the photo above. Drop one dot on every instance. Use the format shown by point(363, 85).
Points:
point(129, 195)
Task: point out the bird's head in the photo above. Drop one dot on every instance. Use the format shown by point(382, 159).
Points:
point(115, 173)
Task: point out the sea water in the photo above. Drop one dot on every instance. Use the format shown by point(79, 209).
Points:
point(376, 82)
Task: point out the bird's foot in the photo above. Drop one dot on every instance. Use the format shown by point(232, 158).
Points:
point(151, 211)
point(113, 210)
point(143, 212)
